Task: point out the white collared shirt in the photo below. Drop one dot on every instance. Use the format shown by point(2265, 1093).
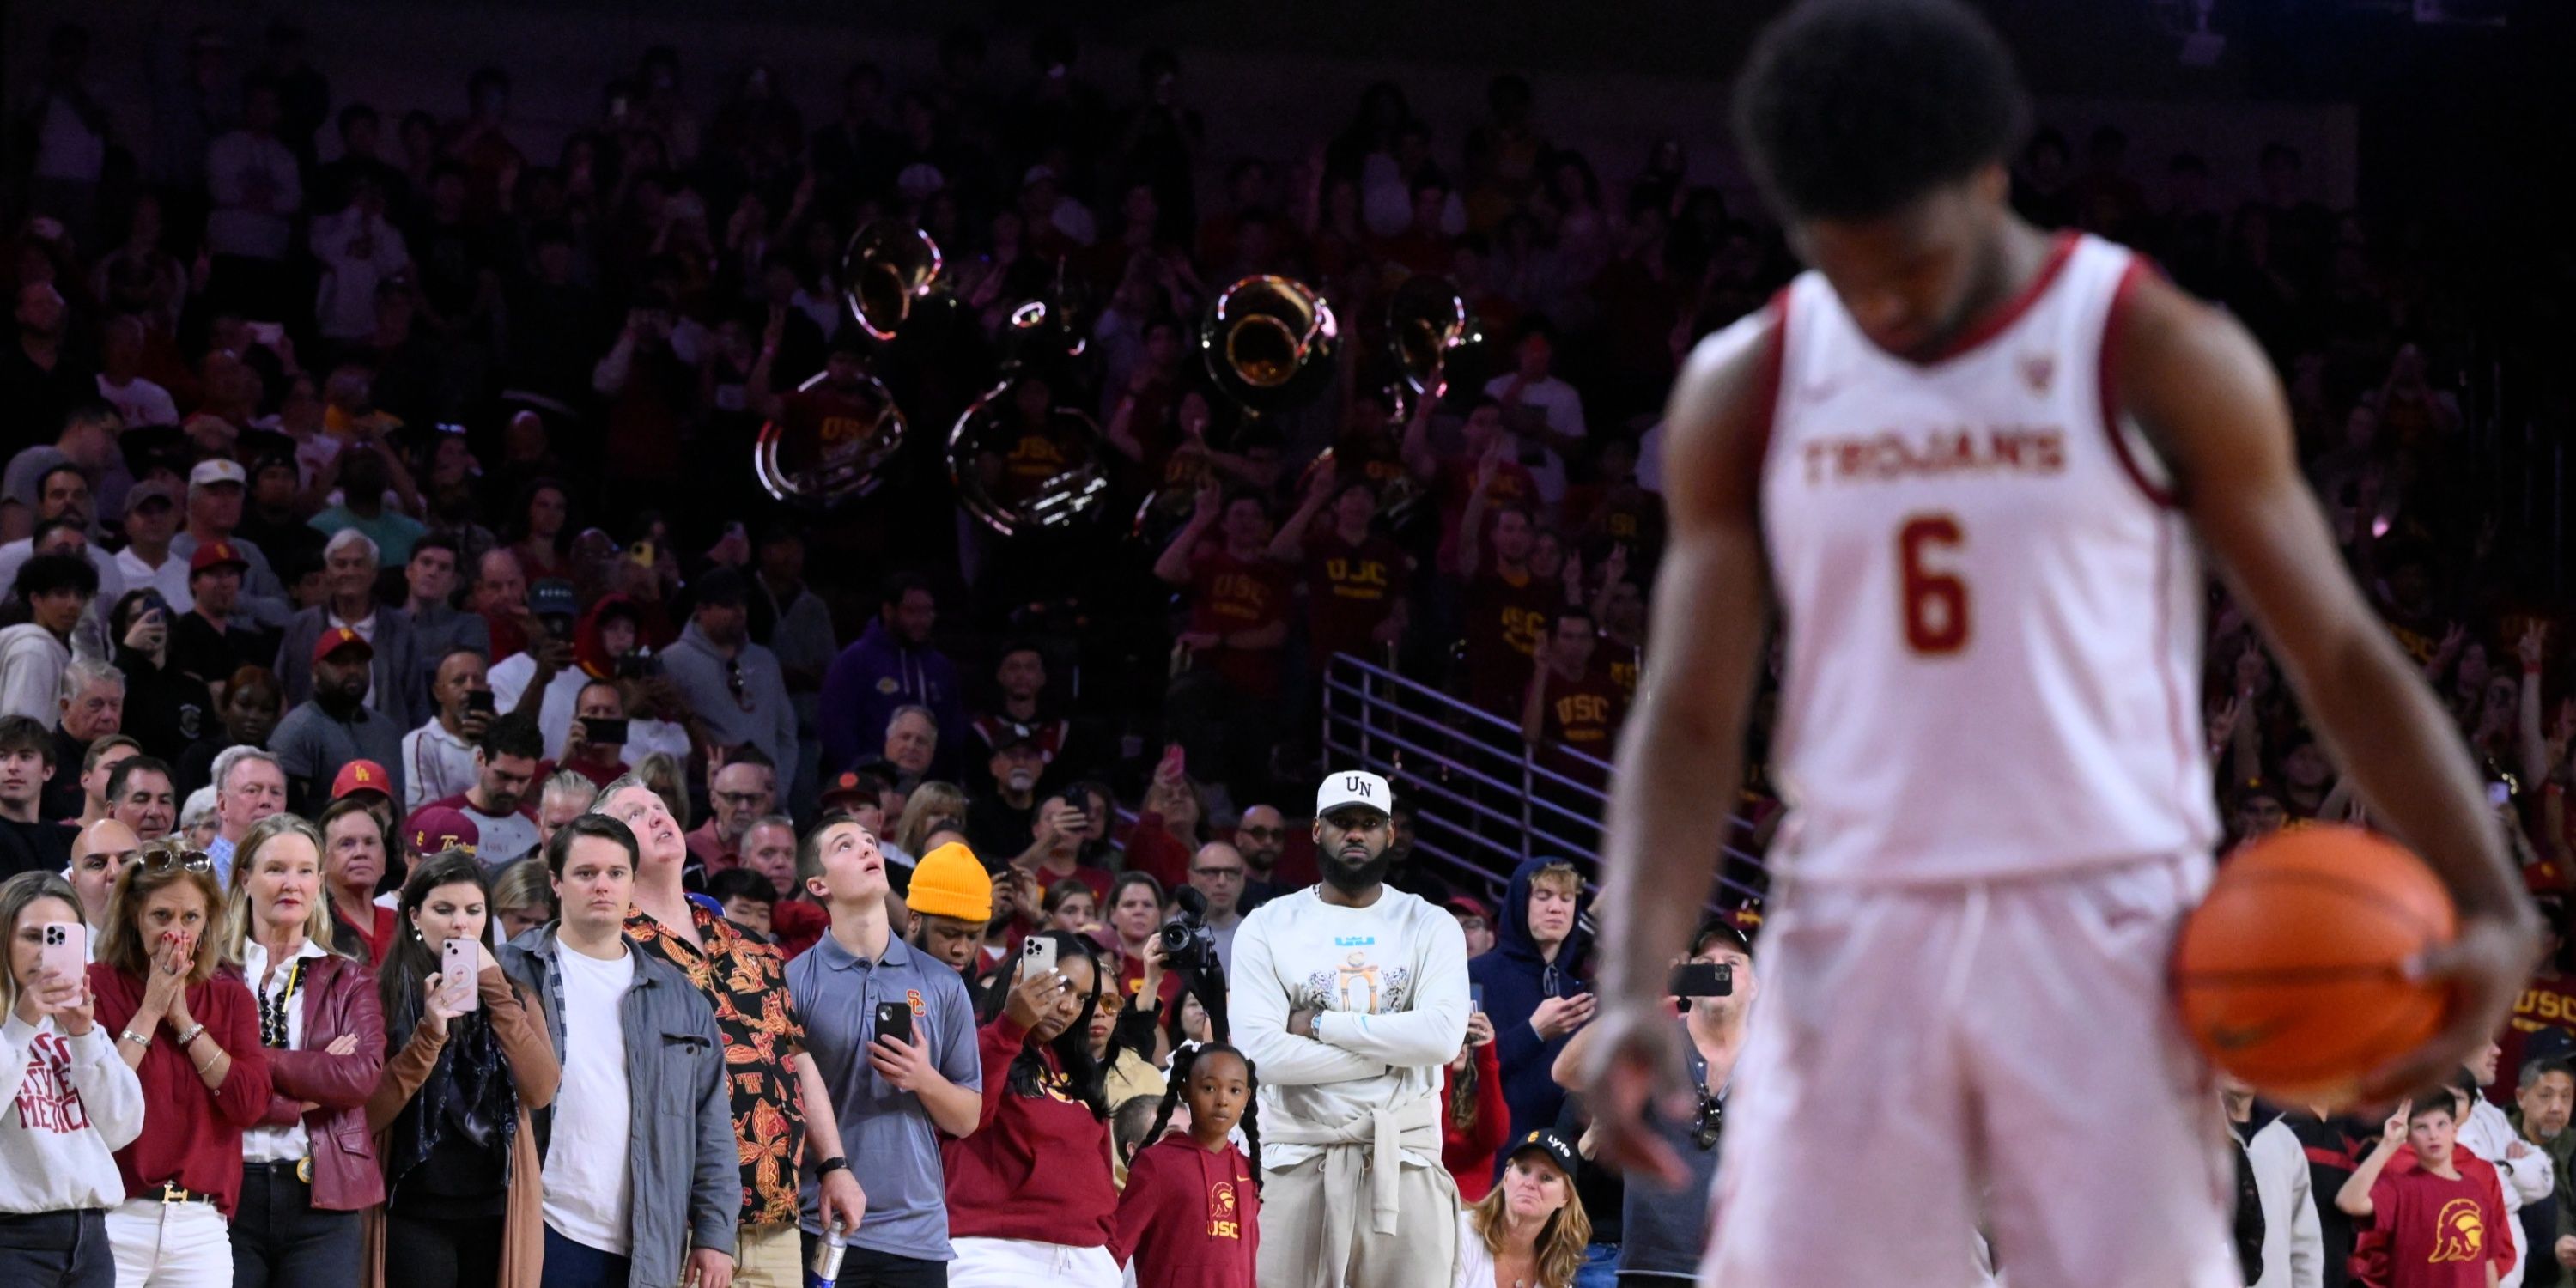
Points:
point(277, 1144)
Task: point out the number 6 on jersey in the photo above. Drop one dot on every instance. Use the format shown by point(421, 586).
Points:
point(1935, 603)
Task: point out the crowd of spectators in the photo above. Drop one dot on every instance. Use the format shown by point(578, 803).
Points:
point(385, 566)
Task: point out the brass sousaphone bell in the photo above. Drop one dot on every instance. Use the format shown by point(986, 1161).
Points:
point(832, 447)
point(1043, 337)
point(1268, 343)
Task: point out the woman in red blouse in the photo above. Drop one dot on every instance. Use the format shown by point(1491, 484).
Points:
point(192, 1039)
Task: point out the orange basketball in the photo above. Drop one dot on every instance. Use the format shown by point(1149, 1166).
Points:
point(2291, 975)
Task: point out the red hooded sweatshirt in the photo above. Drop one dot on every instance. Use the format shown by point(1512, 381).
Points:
point(1468, 1152)
point(1189, 1218)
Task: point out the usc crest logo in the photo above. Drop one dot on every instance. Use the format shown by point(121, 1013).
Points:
point(1225, 1220)
point(2458, 1233)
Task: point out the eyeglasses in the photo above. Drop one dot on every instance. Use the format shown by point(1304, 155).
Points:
point(1267, 833)
point(733, 682)
point(1710, 1122)
point(1229, 874)
point(742, 800)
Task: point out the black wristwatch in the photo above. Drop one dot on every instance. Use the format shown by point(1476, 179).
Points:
point(835, 1163)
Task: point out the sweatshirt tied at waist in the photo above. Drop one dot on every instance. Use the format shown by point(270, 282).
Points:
point(1376, 1143)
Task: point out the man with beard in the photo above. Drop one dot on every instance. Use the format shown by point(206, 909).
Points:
point(1350, 997)
point(1003, 821)
point(1260, 836)
point(505, 762)
point(336, 726)
point(2547, 1091)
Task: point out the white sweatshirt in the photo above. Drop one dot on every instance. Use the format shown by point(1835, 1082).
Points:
point(2293, 1248)
point(72, 1105)
point(1390, 984)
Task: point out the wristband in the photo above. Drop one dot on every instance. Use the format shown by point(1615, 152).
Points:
point(835, 1163)
point(192, 1035)
point(136, 1038)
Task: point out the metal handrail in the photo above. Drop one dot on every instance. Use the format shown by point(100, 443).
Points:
point(1441, 751)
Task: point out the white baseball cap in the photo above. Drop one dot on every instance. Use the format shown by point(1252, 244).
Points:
point(216, 470)
point(1353, 787)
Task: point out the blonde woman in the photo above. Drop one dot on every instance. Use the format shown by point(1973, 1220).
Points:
point(77, 1104)
point(309, 1164)
point(933, 806)
point(1530, 1230)
point(191, 1036)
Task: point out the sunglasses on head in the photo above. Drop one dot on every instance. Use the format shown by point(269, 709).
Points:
point(162, 858)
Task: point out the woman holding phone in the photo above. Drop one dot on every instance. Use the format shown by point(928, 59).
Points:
point(308, 1167)
point(192, 1038)
point(463, 1207)
point(165, 707)
point(1030, 1196)
point(77, 1103)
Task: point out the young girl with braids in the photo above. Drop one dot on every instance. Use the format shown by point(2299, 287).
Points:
point(1191, 1215)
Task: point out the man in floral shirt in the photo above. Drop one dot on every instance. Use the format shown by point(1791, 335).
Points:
point(780, 1104)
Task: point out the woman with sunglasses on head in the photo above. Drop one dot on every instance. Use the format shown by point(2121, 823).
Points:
point(192, 1038)
point(76, 1103)
point(1030, 1197)
point(463, 1208)
point(308, 1166)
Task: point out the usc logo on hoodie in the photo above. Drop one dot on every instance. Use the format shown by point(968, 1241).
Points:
point(1225, 1220)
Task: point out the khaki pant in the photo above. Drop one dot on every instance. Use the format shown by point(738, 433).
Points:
point(768, 1256)
point(1422, 1253)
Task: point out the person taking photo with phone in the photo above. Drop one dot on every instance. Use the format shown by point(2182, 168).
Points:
point(466, 1066)
point(1666, 1227)
point(1030, 1194)
point(77, 1103)
point(307, 1166)
point(892, 1031)
point(438, 757)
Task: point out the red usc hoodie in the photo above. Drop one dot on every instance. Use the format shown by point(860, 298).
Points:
point(1189, 1218)
point(1037, 1167)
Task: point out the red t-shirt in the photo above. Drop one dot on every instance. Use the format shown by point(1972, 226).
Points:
point(1228, 595)
point(1350, 590)
point(1584, 714)
point(2441, 1232)
point(1512, 484)
point(1505, 618)
point(1189, 1218)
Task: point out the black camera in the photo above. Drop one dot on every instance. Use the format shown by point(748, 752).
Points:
point(638, 665)
point(1188, 944)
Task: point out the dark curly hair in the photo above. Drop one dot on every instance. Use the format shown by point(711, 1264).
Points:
point(1072, 1047)
point(1176, 1086)
point(1848, 109)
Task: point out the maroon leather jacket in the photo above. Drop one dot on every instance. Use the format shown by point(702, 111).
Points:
point(339, 997)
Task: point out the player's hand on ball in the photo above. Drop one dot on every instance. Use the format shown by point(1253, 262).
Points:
point(2487, 966)
point(1636, 1062)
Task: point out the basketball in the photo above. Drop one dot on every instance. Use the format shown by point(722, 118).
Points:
point(2291, 975)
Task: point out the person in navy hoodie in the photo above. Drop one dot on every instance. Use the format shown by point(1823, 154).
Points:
point(1530, 989)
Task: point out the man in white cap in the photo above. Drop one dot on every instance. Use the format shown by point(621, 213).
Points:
point(215, 490)
point(1350, 996)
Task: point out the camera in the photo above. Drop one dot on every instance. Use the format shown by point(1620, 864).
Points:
point(1188, 944)
point(638, 665)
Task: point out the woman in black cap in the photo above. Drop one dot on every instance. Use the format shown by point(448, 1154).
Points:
point(1529, 1231)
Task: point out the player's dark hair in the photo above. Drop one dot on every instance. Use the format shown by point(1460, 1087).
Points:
point(1848, 109)
point(1176, 1087)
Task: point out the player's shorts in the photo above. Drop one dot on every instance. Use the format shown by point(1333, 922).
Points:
point(1927, 1061)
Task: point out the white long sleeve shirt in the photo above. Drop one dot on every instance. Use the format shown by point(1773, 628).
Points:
point(2294, 1253)
point(2527, 1179)
point(72, 1104)
point(256, 190)
point(1389, 983)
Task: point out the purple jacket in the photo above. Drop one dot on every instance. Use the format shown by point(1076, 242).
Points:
point(339, 998)
point(874, 675)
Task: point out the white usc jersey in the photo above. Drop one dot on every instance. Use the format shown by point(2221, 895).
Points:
point(1993, 612)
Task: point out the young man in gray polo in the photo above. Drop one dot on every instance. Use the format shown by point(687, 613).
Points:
point(893, 1095)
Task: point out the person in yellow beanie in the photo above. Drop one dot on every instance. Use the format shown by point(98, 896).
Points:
point(951, 898)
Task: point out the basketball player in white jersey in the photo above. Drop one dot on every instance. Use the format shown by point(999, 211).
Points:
point(1973, 465)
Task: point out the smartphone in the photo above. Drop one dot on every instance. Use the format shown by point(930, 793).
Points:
point(1476, 997)
point(479, 700)
point(604, 731)
point(152, 602)
point(457, 969)
point(1701, 979)
point(1176, 762)
point(65, 949)
point(894, 1020)
point(1037, 956)
point(2499, 794)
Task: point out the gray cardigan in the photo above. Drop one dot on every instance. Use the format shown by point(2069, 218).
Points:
point(683, 1165)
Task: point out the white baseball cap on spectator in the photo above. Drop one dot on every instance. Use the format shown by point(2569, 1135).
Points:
point(1353, 787)
point(215, 470)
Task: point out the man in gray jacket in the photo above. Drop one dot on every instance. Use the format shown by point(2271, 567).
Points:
point(638, 1147)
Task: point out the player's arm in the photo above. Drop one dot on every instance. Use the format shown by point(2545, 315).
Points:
point(1686, 737)
point(2207, 397)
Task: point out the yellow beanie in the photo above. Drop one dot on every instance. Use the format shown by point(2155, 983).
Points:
point(951, 882)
